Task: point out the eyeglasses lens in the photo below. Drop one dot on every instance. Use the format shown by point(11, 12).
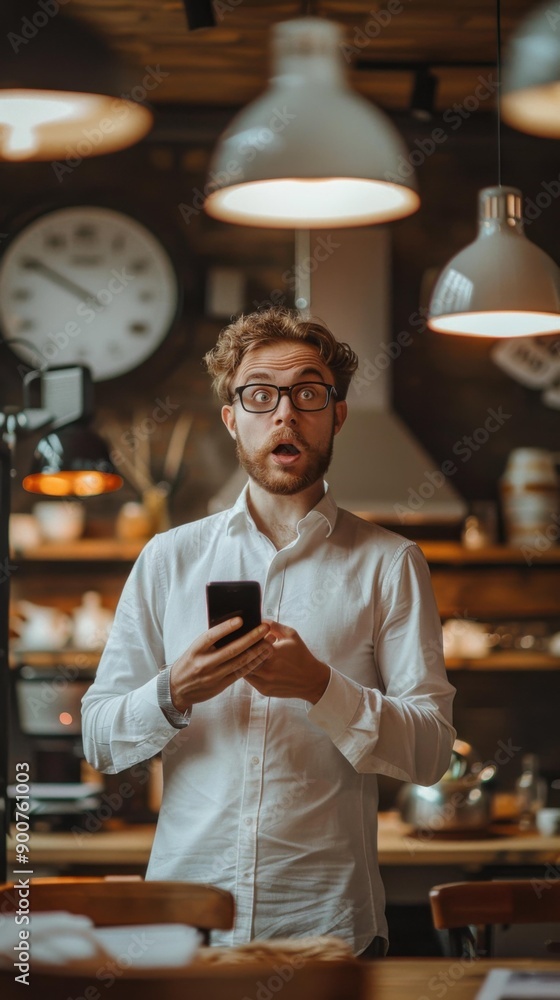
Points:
point(304, 396)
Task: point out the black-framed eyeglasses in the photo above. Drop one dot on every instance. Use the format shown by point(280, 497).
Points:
point(260, 397)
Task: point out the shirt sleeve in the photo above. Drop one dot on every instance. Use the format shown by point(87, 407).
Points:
point(122, 718)
point(405, 730)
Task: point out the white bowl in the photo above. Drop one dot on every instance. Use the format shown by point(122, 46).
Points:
point(60, 520)
point(25, 532)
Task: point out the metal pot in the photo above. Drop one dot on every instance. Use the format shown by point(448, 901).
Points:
point(460, 801)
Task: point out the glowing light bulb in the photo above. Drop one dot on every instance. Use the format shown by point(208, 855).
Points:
point(23, 113)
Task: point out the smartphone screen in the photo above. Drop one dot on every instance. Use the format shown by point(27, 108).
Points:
point(227, 599)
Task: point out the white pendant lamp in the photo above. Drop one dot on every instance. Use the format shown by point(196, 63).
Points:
point(501, 285)
point(63, 93)
point(531, 101)
point(310, 152)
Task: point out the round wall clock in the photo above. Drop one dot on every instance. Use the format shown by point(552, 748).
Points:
point(87, 285)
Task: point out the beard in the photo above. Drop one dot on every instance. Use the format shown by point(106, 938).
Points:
point(285, 481)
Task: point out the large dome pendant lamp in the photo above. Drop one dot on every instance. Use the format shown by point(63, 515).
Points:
point(309, 152)
point(63, 93)
point(531, 101)
point(501, 285)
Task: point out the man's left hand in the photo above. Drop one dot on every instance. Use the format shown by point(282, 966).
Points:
point(291, 671)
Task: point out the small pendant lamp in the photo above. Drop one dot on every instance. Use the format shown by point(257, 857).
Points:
point(501, 285)
point(310, 152)
point(531, 101)
point(71, 459)
point(63, 93)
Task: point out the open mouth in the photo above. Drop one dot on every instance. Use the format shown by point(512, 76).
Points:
point(286, 449)
point(286, 453)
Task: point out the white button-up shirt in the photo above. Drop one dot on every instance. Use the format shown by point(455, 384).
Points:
point(275, 799)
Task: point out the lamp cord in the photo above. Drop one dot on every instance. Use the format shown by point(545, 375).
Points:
point(499, 88)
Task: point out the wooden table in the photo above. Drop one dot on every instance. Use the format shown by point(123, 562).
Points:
point(435, 978)
point(398, 846)
point(384, 979)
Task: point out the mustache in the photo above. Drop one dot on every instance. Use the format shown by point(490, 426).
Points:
point(292, 437)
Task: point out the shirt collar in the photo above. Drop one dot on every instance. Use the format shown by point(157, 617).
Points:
point(326, 510)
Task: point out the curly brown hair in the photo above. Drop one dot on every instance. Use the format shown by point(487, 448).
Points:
point(270, 326)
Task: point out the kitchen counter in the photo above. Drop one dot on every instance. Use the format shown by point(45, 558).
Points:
point(398, 846)
point(502, 845)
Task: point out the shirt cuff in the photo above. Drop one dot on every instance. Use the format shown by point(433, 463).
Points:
point(338, 705)
point(177, 719)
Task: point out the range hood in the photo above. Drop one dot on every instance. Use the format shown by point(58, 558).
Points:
point(379, 470)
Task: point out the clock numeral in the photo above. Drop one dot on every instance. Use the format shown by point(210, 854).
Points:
point(139, 265)
point(85, 232)
point(54, 241)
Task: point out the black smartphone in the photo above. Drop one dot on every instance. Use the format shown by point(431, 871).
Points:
point(227, 599)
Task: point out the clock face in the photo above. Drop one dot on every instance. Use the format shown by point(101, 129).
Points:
point(86, 285)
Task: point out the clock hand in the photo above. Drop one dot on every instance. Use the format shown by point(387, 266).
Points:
point(33, 264)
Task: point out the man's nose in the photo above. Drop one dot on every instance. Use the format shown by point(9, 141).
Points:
point(285, 411)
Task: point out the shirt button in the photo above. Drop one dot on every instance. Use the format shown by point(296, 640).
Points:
point(255, 760)
point(269, 611)
point(248, 821)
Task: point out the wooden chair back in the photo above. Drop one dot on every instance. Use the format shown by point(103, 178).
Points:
point(115, 901)
point(457, 907)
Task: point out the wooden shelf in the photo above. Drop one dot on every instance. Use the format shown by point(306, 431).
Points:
point(83, 550)
point(456, 554)
point(451, 553)
point(504, 660)
point(79, 659)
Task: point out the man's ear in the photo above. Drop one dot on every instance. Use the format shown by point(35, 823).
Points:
point(228, 417)
point(340, 414)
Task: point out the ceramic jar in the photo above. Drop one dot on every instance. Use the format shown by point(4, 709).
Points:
point(92, 622)
point(43, 628)
point(530, 491)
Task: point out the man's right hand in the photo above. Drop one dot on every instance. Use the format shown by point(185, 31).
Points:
point(203, 671)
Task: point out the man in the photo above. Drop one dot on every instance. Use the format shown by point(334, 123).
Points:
point(271, 744)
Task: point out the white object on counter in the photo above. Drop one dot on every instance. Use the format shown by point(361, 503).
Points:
point(554, 644)
point(72, 941)
point(42, 627)
point(92, 622)
point(520, 984)
point(60, 520)
point(462, 638)
point(548, 822)
point(25, 532)
point(530, 491)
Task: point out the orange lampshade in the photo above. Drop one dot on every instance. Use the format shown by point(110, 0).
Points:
point(72, 461)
